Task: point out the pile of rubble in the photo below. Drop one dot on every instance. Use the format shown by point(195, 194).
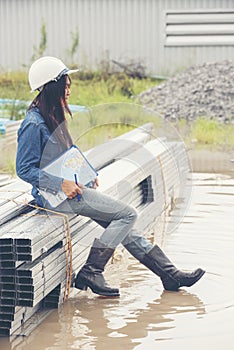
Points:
point(205, 90)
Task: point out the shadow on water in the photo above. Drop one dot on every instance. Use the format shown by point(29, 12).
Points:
point(145, 316)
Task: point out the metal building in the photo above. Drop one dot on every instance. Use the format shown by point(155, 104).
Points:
point(165, 35)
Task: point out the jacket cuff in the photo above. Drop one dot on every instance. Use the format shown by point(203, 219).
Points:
point(53, 184)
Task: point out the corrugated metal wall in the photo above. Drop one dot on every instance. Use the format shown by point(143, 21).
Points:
point(117, 29)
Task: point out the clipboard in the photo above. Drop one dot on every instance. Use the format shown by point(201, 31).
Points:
point(69, 165)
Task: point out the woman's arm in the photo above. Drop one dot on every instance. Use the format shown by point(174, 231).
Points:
point(29, 154)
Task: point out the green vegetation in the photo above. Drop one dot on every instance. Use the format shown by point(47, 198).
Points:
point(212, 133)
point(88, 88)
point(112, 110)
point(207, 134)
point(7, 163)
point(14, 85)
point(74, 45)
point(39, 51)
point(103, 122)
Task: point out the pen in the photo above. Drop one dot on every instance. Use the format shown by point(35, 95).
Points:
point(78, 195)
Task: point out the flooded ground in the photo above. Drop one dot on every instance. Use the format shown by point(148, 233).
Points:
point(145, 316)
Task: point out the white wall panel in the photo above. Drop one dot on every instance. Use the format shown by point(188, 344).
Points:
point(117, 29)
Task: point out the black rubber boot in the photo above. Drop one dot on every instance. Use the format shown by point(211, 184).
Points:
point(172, 278)
point(91, 275)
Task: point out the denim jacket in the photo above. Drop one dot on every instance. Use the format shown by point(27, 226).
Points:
point(36, 148)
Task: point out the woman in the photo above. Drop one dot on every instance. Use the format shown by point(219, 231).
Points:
point(43, 135)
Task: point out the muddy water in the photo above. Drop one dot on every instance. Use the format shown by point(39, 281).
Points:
point(145, 316)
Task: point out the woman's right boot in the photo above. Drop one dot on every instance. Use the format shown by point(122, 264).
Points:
point(91, 275)
point(157, 261)
point(171, 277)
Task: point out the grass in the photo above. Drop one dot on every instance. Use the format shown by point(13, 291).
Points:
point(14, 85)
point(207, 134)
point(112, 111)
point(90, 92)
point(213, 134)
point(7, 159)
point(112, 115)
point(103, 122)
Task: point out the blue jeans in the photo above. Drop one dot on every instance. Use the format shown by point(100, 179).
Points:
point(115, 216)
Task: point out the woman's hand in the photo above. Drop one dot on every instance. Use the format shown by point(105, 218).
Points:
point(71, 189)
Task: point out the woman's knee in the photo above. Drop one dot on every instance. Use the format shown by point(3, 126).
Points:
point(131, 215)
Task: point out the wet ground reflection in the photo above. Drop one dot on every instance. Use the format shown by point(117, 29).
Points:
point(145, 316)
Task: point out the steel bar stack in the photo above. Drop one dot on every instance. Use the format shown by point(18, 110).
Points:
point(135, 168)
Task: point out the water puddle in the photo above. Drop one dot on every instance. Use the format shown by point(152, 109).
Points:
point(145, 316)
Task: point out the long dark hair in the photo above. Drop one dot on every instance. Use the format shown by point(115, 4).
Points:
point(53, 105)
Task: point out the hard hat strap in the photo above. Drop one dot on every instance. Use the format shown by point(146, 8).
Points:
point(64, 71)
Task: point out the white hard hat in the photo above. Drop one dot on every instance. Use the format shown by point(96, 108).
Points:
point(46, 69)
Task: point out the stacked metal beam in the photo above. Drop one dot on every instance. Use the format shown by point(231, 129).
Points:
point(13, 199)
point(33, 247)
point(37, 239)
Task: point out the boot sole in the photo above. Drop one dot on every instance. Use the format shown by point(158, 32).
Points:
point(84, 286)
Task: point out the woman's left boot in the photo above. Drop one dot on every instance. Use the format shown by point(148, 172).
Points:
point(91, 275)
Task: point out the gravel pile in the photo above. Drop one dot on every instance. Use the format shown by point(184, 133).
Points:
point(205, 90)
